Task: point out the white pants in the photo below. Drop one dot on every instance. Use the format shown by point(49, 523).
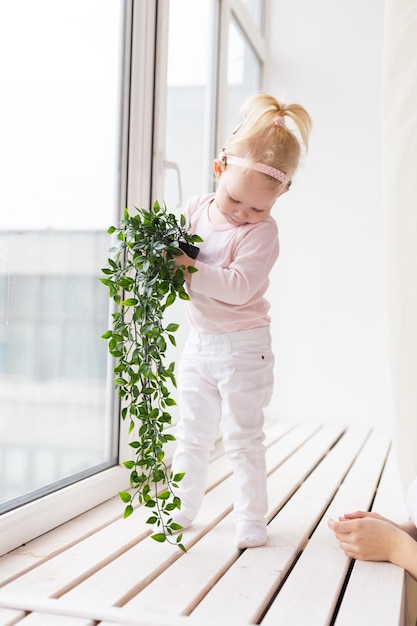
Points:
point(224, 379)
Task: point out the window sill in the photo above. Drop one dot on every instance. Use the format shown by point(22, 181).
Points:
point(102, 567)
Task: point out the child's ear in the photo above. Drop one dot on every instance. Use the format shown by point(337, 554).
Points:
point(217, 168)
point(285, 190)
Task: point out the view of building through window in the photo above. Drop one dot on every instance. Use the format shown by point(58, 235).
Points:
point(59, 163)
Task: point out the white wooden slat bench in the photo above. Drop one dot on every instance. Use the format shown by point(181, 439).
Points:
point(102, 569)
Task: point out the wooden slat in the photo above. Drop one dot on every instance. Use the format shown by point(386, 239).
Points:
point(52, 576)
point(310, 594)
point(95, 612)
point(38, 550)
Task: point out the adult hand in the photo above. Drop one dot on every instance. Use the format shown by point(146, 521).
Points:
point(366, 536)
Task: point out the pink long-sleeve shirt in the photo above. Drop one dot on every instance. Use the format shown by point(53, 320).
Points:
point(227, 294)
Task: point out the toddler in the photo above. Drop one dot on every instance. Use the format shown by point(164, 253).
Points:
point(225, 375)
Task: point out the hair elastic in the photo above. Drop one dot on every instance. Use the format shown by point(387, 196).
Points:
point(258, 167)
point(279, 120)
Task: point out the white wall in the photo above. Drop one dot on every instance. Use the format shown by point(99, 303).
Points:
point(328, 287)
point(400, 203)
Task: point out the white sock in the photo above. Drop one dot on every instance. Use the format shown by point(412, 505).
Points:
point(250, 535)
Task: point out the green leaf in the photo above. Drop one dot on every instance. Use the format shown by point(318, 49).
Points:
point(161, 343)
point(171, 328)
point(169, 437)
point(170, 299)
point(125, 496)
point(143, 429)
point(160, 537)
point(170, 402)
point(180, 545)
point(128, 511)
point(129, 302)
point(106, 281)
point(157, 476)
point(125, 283)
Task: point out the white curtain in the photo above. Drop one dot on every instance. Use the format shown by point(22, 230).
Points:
point(400, 205)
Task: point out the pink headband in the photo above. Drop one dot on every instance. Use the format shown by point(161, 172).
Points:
point(258, 167)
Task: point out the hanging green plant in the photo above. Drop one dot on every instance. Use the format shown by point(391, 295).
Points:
point(143, 280)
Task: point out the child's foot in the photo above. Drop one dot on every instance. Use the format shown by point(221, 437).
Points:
point(250, 535)
point(183, 521)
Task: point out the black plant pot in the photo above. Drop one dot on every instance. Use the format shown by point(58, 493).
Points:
point(189, 249)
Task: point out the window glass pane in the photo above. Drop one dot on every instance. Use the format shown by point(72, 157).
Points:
point(59, 163)
point(190, 98)
point(243, 74)
point(189, 135)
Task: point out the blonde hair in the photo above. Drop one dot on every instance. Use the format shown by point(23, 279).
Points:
point(265, 137)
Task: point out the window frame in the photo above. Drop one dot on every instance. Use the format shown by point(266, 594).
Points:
point(229, 10)
point(142, 163)
point(31, 520)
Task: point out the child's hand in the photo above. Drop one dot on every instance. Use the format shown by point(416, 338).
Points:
point(183, 260)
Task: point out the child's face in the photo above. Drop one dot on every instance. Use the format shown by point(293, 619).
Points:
point(243, 197)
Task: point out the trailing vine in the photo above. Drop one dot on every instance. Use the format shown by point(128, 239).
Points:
point(143, 280)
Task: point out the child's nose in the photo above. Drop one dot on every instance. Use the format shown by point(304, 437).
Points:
point(239, 212)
